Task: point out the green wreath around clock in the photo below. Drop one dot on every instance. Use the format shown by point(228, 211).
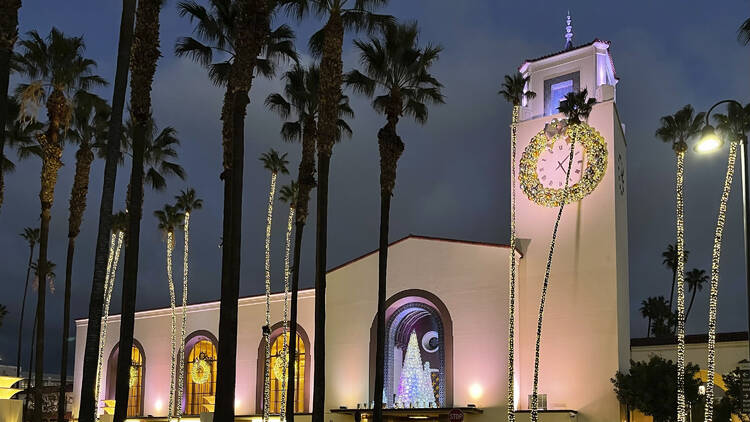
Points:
point(595, 149)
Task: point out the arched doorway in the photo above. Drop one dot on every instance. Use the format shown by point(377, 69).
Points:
point(136, 381)
point(302, 372)
point(422, 315)
point(200, 371)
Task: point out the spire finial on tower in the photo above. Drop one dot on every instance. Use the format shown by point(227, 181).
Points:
point(568, 33)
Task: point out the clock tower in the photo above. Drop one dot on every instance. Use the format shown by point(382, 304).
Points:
point(586, 334)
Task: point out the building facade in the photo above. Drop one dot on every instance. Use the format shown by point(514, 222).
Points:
point(448, 299)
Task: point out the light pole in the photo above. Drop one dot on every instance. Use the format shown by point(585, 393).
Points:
point(710, 141)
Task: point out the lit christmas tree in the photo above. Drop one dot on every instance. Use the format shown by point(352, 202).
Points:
point(413, 388)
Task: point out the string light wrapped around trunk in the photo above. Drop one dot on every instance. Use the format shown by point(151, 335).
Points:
point(680, 275)
point(181, 360)
point(563, 201)
point(173, 327)
point(285, 350)
point(713, 297)
point(109, 280)
point(512, 281)
point(266, 331)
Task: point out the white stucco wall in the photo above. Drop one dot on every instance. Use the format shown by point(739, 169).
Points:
point(585, 337)
point(470, 279)
point(152, 330)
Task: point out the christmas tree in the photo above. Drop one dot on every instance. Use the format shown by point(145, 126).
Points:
point(413, 388)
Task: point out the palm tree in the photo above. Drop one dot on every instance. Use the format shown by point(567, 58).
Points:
point(8, 36)
point(187, 201)
point(287, 194)
point(399, 70)
point(734, 127)
point(143, 67)
point(87, 411)
point(35, 286)
point(513, 91)
point(695, 280)
point(31, 236)
point(670, 261)
point(677, 129)
point(88, 127)
point(19, 133)
point(169, 218)
point(157, 162)
point(743, 33)
point(240, 32)
point(56, 69)
point(647, 311)
point(301, 98)
point(577, 106)
point(276, 164)
point(736, 121)
point(340, 15)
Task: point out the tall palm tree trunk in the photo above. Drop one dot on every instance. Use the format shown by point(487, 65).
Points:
point(267, 326)
point(78, 194)
point(181, 358)
point(8, 35)
point(145, 55)
point(114, 256)
point(391, 147)
point(291, 368)
point(286, 340)
point(173, 328)
point(31, 365)
point(680, 278)
point(306, 182)
point(254, 23)
point(512, 278)
point(23, 311)
point(715, 257)
point(330, 95)
point(87, 411)
point(52, 154)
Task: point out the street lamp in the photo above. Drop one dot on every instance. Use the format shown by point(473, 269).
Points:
point(711, 142)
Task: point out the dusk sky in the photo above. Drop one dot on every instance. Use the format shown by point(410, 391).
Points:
point(453, 176)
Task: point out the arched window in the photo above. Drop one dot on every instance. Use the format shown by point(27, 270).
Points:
point(423, 316)
point(137, 368)
point(200, 372)
point(279, 371)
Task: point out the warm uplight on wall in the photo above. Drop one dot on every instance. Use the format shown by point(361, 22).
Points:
point(158, 405)
point(237, 403)
point(475, 391)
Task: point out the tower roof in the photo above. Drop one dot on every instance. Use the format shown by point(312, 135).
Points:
point(600, 43)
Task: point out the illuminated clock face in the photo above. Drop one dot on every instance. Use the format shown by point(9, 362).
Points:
point(553, 164)
point(545, 160)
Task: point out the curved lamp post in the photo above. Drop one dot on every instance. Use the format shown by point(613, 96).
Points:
point(710, 141)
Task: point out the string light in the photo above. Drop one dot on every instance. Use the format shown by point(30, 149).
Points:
point(596, 165)
point(716, 255)
point(681, 412)
point(173, 324)
point(285, 350)
point(181, 360)
point(109, 280)
point(266, 332)
point(512, 282)
point(571, 131)
point(103, 328)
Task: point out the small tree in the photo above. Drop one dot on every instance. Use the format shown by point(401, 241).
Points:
point(651, 387)
point(3, 312)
